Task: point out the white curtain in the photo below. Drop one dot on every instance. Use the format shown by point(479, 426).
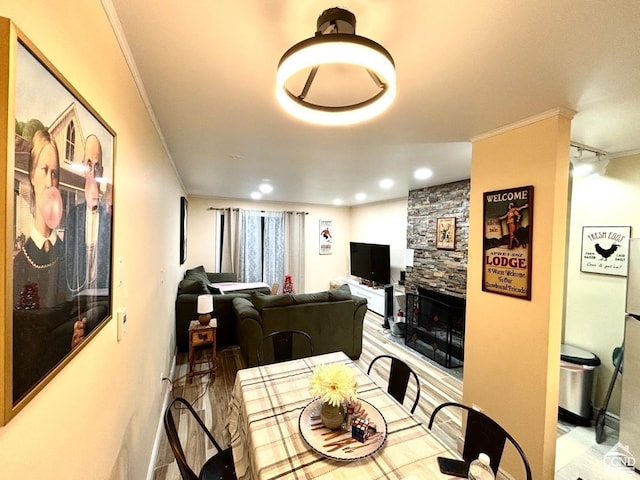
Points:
point(263, 246)
point(273, 248)
point(251, 250)
point(294, 248)
point(231, 235)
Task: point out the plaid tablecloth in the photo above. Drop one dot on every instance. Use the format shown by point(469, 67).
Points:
point(267, 443)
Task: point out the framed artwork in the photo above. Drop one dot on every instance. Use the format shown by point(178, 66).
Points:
point(446, 233)
point(326, 237)
point(183, 230)
point(507, 237)
point(59, 221)
point(605, 250)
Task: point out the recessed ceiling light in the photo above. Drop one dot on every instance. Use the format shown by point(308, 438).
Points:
point(386, 183)
point(361, 196)
point(266, 188)
point(337, 201)
point(422, 173)
point(256, 195)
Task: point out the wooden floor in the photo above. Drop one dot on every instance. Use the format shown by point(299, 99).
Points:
point(577, 453)
point(211, 398)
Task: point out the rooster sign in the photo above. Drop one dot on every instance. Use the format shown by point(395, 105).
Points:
point(605, 250)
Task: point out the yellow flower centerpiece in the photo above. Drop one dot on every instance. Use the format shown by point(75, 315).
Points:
point(334, 384)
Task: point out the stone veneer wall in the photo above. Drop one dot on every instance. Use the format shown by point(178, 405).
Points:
point(441, 270)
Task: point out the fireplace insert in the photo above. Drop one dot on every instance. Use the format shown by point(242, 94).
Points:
point(435, 326)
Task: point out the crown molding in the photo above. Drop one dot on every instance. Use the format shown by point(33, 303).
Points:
point(555, 112)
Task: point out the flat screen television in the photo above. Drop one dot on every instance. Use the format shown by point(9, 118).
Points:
point(370, 261)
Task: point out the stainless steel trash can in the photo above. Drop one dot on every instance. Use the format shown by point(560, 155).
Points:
point(577, 370)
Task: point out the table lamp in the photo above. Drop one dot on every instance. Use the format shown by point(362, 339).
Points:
point(205, 307)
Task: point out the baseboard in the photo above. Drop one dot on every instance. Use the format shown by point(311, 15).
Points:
point(160, 429)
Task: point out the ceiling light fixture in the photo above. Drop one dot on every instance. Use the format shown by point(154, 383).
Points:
point(422, 173)
point(336, 42)
point(583, 166)
point(266, 188)
point(385, 183)
point(361, 196)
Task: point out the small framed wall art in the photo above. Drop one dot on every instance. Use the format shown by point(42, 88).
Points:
point(446, 233)
point(326, 237)
point(605, 250)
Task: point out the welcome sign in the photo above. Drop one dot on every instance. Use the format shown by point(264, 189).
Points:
point(508, 228)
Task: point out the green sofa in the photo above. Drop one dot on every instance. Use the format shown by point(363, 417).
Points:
point(332, 318)
point(197, 282)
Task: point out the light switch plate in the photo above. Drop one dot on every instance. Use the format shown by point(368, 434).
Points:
point(122, 322)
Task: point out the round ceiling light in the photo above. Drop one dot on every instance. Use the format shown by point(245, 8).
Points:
point(335, 42)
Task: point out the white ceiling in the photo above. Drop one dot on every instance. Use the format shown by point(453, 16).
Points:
point(464, 68)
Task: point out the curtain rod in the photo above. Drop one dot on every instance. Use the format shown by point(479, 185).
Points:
point(262, 211)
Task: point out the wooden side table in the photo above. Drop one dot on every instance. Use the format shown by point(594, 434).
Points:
point(200, 337)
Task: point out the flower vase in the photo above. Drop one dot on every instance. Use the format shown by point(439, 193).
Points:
point(332, 417)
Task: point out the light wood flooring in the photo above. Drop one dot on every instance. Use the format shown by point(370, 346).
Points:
point(577, 454)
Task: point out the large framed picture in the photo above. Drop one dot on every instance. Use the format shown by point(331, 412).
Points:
point(508, 234)
point(605, 250)
point(59, 163)
point(446, 233)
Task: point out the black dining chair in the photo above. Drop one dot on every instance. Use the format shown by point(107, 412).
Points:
point(482, 435)
point(398, 379)
point(285, 345)
point(218, 467)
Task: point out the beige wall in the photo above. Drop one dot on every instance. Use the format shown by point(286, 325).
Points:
point(512, 346)
point(100, 414)
point(320, 269)
point(595, 303)
point(383, 223)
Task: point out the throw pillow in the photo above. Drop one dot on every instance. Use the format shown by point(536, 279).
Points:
point(197, 275)
point(193, 286)
point(198, 269)
point(341, 293)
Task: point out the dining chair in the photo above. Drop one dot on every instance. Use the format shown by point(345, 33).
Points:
point(399, 375)
point(281, 344)
point(220, 466)
point(482, 435)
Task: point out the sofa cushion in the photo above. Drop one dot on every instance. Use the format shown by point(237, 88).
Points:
point(341, 293)
point(193, 286)
point(261, 301)
point(217, 277)
point(302, 298)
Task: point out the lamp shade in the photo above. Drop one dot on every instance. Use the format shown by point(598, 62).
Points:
point(205, 304)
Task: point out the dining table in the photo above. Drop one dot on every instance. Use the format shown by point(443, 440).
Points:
point(275, 432)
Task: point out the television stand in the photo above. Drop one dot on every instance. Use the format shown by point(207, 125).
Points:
point(375, 296)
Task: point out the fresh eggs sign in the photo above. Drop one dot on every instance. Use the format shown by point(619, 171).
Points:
point(605, 250)
point(508, 228)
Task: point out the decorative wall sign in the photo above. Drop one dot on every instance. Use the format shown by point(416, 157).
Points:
point(605, 250)
point(446, 233)
point(508, 231)
point(59, 219)
point(326, 237)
